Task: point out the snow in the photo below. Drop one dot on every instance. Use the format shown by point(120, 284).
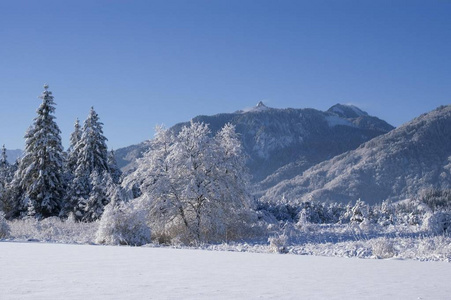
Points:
point(357, 110)
point(333, 121)
point(257, 108)
point(65, 271)
point(339, 109)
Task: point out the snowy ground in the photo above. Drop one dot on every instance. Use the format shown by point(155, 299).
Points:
point(64, 271)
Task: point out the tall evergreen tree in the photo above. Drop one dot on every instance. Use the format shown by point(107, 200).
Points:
point(115, 172)
point(75, 137)
point(90, 168)
point(40, 172)
point(94, 205)
point(4, 178)
point(3, 159)
point(91, 149)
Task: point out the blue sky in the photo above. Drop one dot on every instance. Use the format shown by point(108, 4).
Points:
point(142, 63)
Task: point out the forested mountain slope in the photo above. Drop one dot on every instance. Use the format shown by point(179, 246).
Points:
point(282, 143)
point(397, 165)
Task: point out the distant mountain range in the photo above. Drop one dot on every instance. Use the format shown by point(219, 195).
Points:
point(13, 155)
point(396, 165)
point(341, 154)
point(282, 143)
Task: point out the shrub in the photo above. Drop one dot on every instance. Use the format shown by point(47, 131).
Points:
point(383, 248)
point(278, 244)
point(121, 224)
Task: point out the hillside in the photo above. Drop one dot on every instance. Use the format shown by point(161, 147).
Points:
point(282, 143)
point(397, 165)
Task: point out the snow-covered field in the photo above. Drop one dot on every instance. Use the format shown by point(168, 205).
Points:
point(67, 271)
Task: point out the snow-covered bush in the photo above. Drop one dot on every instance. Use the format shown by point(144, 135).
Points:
point(278, 244)
point(4, 227)
point(437, 223)
point(367, 226)
point(303, 224)
point(121, 224)
point(383, 248)
point(359, 212)
point(287, 234)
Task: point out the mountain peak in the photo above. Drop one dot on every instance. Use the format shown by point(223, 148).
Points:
point(261, 105)
point(347, 111)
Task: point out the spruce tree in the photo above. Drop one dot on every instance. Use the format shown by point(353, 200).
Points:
point(115, 172)
point(40, 172)
point(90, 169)
point(91, 150)
point(4, 179)
point(71, 153)
point(3, 159)
point(94, 205)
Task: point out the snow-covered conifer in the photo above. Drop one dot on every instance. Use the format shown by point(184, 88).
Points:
point(3, 159)
point(75, 137)
point(4, 227)
point(89, 161)
point(115, 172)
point(72, 155)
point(40, 170)
point(4, 178)
point(92, 207)
point(91, 149)
point(359, 212)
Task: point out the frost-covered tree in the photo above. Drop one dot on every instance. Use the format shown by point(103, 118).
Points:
point(115, 172)
point(89, 167)
point(92, 207)
point(72, 155)
point(4, 158)
point(195, 185)
point(5, 230)
point(91, 149)
point(40, 172)
point(359, 212)
point(5, 177)
point(4, 170)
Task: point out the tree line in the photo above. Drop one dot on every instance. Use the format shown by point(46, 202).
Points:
point(190, 186)
point(48, 181)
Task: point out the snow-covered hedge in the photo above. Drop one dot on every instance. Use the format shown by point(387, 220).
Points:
point(53, 229)
point(121, 224)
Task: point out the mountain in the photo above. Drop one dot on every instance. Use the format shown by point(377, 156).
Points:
point(282, 143)
point(13, 155)
point(395, 166)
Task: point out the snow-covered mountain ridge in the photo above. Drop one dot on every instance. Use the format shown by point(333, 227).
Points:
point(397, 165)
point(282, 143)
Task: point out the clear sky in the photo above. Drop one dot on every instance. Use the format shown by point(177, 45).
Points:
point(142, 63)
